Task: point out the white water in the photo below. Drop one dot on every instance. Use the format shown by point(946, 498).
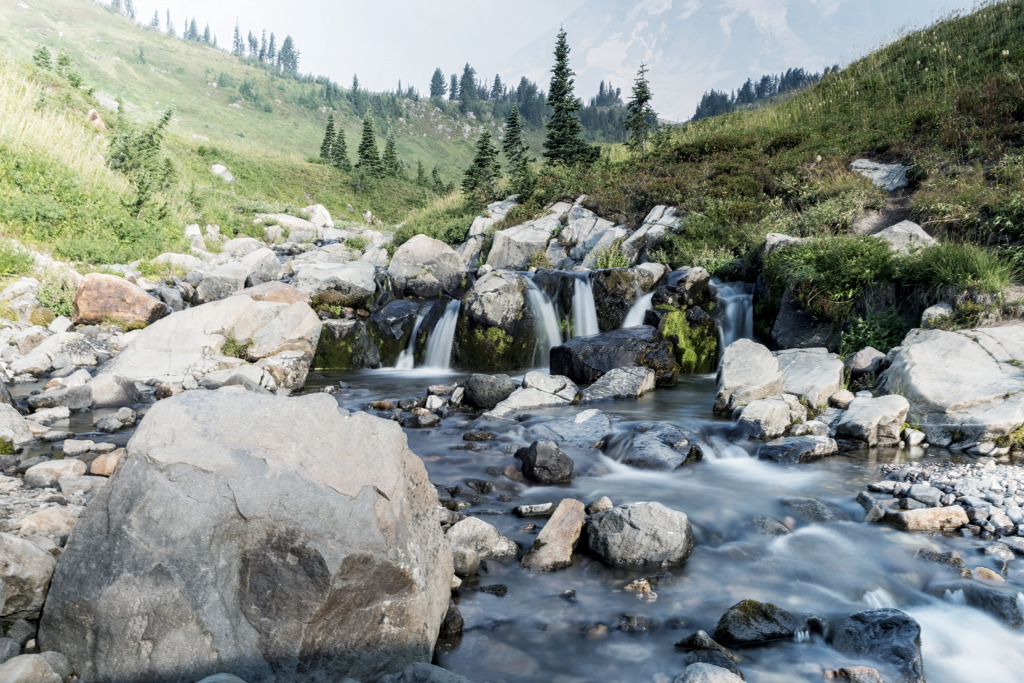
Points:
point(636, 314)
point(407, 358)
point(736, 306)
point(548, 333)
point(584, 310)
point(442, 337)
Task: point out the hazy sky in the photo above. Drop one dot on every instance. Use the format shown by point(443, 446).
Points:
point(385, 40)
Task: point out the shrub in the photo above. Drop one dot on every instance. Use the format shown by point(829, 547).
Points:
point(610, 256)
point(880, 329)
point(358, 243)
point(235, 348)
point(965, 266)
point(57, 293)
point(14, 260)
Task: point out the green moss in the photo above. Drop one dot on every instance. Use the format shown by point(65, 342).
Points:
point(42, 317)
point(696, 348)
point(235, 348)
point(492, 348)
point(6, 447)
point(1014, 439)
point(333, 354)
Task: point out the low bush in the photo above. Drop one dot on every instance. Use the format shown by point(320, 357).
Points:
point(961, 266)
point(14, 260)
point(57, 293)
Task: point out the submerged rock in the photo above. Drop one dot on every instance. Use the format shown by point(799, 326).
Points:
point(798, 449)
point(620, 383)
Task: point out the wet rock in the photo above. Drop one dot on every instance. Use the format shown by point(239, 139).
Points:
point(951, 559)
point(798, 449)
point(555, 544)
point(702, 672)
point(328, 544)
point(544, 463)
point(639, 534)
point(874, 421)
point(615, 292)
point(701, 641)
point(122, 419)
point(421, 672)
point(478, 436)
point(815, 511)
point(586, 359)
point(585, 429)
point(427, 268)
point(473, 541)
point(600, 505)
point(1000, 602)
point(73, 398)
point(487, 391)
point(538, 510)
point(104, 298)
point(765, 418)
point(539, 391)
point(620, 383)
point(750, 622)
point(811, 374)
point(495, 330)
point(25, 572)
point(421, 421)
point(885, 635)
point(855, 674)
point(391, 327)
point(655, 446)
point(346, 344)
point(748, 372)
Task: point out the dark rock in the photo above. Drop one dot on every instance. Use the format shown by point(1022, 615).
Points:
point(615, 292)
point(815, 511)
point(951, 559)
point(478, 436)
point(453, 621)
point(585, 359)
point(750, 622)
point(885, 635)
point(9, 649)
point(634, 623)
point(714, 658)
point(421, 421)
point(345, 345)
point(655, 446)
point(1001, 603)
point(795, 329)
point(797, 449)
point(487, 391)
point(392, 326)
point(545, 463)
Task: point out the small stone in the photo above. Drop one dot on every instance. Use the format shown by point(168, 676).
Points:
point(545, 463)
point(104, 464)
point(600, 505)
point(986, 574)
point(555, 544)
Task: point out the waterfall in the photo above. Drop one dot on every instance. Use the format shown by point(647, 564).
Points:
point(736, 311)
point(407, 358)
point(636, 314)
point(584, 310)
point(439, 343)
point(548, 333)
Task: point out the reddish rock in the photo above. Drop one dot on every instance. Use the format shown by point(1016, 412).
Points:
point(929, 519)
point(554, 545)
point(277, 292)
point(109, 298)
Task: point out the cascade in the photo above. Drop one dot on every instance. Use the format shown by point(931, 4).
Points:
point(439, 343)
point(736, 311)
point(548, 333)
point(637, 312)
point(407, 358)
point(584, 309)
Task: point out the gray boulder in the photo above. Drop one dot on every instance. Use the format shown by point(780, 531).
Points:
point(795, 329)
point(750, 622)
point(884, 635)
point(487, 391)
point(545, 463)
point(615, 292)
point(113, 391)
point(640, 534)
point(620, 383)
point(654, 446)
point(748, 372)
point(222, 282)
point(811, 374)
point(74, 398)
point(345, 345)
point(874, 421)
point(660, 220)
point(426, 268)
point(866, 361)
point(906, 237)
point(25, 573)
point(342, 284)
point(495, 329)
point(585, 429)
point(765, 418)
point(513, 248)
point(702, 672)
point(586, 359)
point(255, 549)
point(59, 351)
point(586, 232)
point(473, 540)
point(889, 177)
point(28, 669)
point(13, 427)
point(798, 449)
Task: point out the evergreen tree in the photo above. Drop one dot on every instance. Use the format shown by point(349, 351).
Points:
point(467, 86)
point(254, 46)
point(194, 30)
point(170, 25)
point(116, 7)
point(356, 95)
point(453, 88)
point(288, 56)
point(339, 152)
point(207, 37)
point(479, 178)
point(369, 157)
point(154, 23)
point(328, 143)
point(642, 118)
point(565, 143)
point(129, 9)
point(421, 174)
point(438, 86)
point(237, 46)
point(272, 49)
point(263, 47)
point(498, 89)
point(42, 58)
point(524, 180)
point(513, 145)
point(391, 165)
point(437, 183)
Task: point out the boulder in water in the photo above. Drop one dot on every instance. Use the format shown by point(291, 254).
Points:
point(750, 622)
point(556, 541)
point(640, 534)
point(346, 345)
point(798, 449)
point(545, 463)
point(586, 359)
point(392, 327)
point(884, 635)
point(487, 391)
point(874, 421)
point(620, 383)
point(340, 284)
point(615, 292)
point(748, 372)
point(495, 329)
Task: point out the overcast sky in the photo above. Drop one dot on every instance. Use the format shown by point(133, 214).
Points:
point(386, 40)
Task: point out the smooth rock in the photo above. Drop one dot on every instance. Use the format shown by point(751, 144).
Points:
point(874, 421)
point(812, 375)
point(104, 298)
point(487, 391)
point(750, 622)
point(620, 383)
point(886, 635)
point(639, 534)
point(555, 543)
point(798, 449)
point(25, 571)
point(427, 268)
point(474, 540)
point(906, 237)
point(545, 463)
point(748, 372)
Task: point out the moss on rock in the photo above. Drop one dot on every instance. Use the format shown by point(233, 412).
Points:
point(491, 348)
point(696, 346)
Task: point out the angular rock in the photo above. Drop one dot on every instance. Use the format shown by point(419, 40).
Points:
point(586, 359)
point(487, 391)
point(795, 329)
point(427, 268)
point(299, 229)
point(866, 361)
point(874, 421)
point(554, 384)
point(545, 463)
point(585, 429)
point(25, 571)
point(13, 427)
point(72, 398)
point(748, 372)
point(263, 266)
point(495, 329)
point(654, 446)
point(659, 220)
point(702, 672)
point(277, 292)
point(765, 418)
point(798, 449)
point(222, 282)
point(346, 345)
point(513, 248)
point(586, 232)
point(109, 298)
point(113, 391)
point(342, 284)
point(889, 177)
point(333, 559)
point(885, 635)
point(474, 540)
point(811, 374)
point(556, 541)
point(115, 422)
point(615, 292)
point(620, 383)
point(906, 237)
point(58, 351)
point(68, 467)
point(640, 534)
point(392, 327)
point(929, 519)
point(28, 669)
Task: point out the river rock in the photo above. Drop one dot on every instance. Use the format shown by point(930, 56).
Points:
point(474, 540)
point(748, 372)
point(654, 446)
point(73, 398)
point(750, 622)
point(640, 534)
point(855, 674)
point(1000, 602)
point(545, 463)
point(487, 391)
point(109, 298)
point(25, 573)
point(392, 327)
point(866, 361)
point(345, 345)
point(325, 540)
point(425, 267)
point(906, 237)
point(615, 292)
point(115, 422)
point(702, 672)
point(421, 672)
point(929, 519)
point(811, 374)
point(967, 384)
point(58, 351)
point(620, 383)
point(798, 449)
point(556, 541)
point(28, 669)
point(886, 635)
point(13, 427)
point(585, 429)
point(514, 247)
point(113, 391)
point(277, 292)
point(874, 421)
point(222, 282)
point(586, 232)
point(659, 220)
point(342, 284)
point(263, 266)
point(586, 359)
point(765, 418)
point(495, 330)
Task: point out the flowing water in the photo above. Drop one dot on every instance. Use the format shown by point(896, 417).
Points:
point(638, 310)
point(736, 310)
point(584, 309)
point(442, 337)
point(548, 331)
point(407, 358)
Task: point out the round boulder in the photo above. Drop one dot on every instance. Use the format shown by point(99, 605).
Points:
point(545, 463)
point(487, 391)
point(109, 298)
point(640, 534)
point(426, 268)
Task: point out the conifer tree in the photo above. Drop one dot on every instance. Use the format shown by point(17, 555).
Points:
point(467, 87)
point(237, 46)
point(513, 145)
point(479, 178)
point(170, 25)
point(207, 38)
point(263, 46)
point(642, 117)
point(438, 86)
point(453, 88)
point(391, 165)
point(498, 89)
point(436, 182)
point(339, 152)
point(154, 23)
point(116, 7)
point(254, 46)
point(369, 157)
point(421, 174)
point(129, 9)
point(288, 56)
point(42, 58)
point(193, 30)
point(565, 143)
point(328, 143)
point(272, 49)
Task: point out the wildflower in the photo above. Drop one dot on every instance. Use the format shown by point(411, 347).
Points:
point(1006, 53)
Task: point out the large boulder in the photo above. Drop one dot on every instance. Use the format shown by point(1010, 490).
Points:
point(586, 233)
point(889, 177)
point(426, 268)
point(227, 541)
point(660, 220)
point(796, 329)
point(277, 292)
point(495, 329)
point(883, 635)
point(513, 248)
point(905, 237)
point(298, 229)
point(14, 429)
point(487, 391)
point(539, 390)
point(965, 386)
point(341, 284)
point(25, 572)
point(347, 345)
point(640, 534)
point(392, 326)
point(750, 622)
point(747, 373)
point(222, 282)
point(586, 359)
point(811, 374)
point(615, 292)
point(108, 298)
point(874, 421)
point(654, 446)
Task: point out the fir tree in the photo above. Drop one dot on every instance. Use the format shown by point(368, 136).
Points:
point(42, 58)
point(369, 157)
point(391, 165)
point(436, 182)
point(565, 143)
point(237, 46)
point(467, 86)
point(642, 117)
point(116, 6)
point(263, 47)
point(356, 95)
point(421, 174)
point(207, 37)
point(513, 145)
point(339, 152)
point(453, 88)
point(288, 56)
point(328, 143)
point(170, 25)
point(254, 46)
point(479, 178)
point(154, 23)
point(498, 89)
point(438, 86)
point(193, 30)
point(272, 49)
point(129, 9)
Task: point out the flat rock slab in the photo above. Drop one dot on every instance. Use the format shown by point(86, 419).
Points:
point(556, 541)
point(620, 383)
point(811, 374)
point(929, 519)
point(874, 421)
point(889, 177)
point(748, 372)
point(798, 449)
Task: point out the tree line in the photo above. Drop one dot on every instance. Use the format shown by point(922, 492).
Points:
point(716, 102)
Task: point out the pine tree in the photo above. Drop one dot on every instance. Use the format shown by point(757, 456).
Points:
point(513, 145)
point(170, 25)
point(254, 46)
point(237, 46)
point(194, 30)
point(369, 157)
point(339, 152)
point(565, 143)
point(42, 58)
point(207, 37)
point(328, 143)
point(154, 23)
point(263, 47)
point(642, 117)
point(453, 88)
point(356, 95)
point(467, 86)
point(272, 49)
point(498, 89)
point(288, 56)
point(436, 182)
point(391, 165)
point(438, 86)
point(129, 9)
point(421, 174)
point(479, 178)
